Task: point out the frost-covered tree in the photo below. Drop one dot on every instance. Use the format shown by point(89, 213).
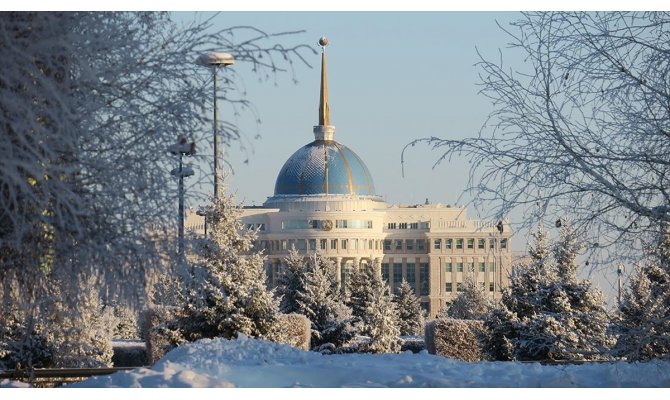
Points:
point(89, 102)
point(550, 315)
point(321, 302)
point(125, 322)
point(291, 281)
point(80, 332)
point(645, 308)
point(228, 294)
point(580, 124)
point(410, 314)
point(471, 303)
point(375, 313)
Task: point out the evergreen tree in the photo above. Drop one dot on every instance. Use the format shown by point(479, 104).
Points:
point(290, 281)
point(546, 313)
point(125, 324)
point(361, 289)
point(228, 294)
point(471, 303)
point(321, 302)
point(410, 314)
point(645, 308)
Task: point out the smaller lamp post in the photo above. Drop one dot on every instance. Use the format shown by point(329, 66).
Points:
point(181, 149)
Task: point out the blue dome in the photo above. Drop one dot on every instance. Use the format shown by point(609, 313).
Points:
point(307, 171)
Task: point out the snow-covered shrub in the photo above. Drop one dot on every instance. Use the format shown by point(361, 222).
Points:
point(411, 317)
point(129, 353)
point(644, 321)
point(471, 303)
point(158, 330)
point(294, 329)
point(457, 339)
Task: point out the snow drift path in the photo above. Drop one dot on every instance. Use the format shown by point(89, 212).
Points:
point(254, 363)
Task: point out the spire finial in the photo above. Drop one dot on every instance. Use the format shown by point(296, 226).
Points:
point(324, 110)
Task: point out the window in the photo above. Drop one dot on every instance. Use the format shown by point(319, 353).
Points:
point(492, 267)
point(459, 267)
point(385, 272)
point(323, 244)
point(341, 223)
point(491, 287)
point(398, 244)
point(397, 275)
point(370, 243)
point(312, 244)
point(425, 225)
point(447, 267)
point(503, 243)
point(291, 244)
point(492, 243)
point(414, 225)
point(302, 244)
point(391, 225)
point(387, 244)
point(344, 244)
point(482, 267)
point(459, 243)
point(481, 243)
point(402, 225)
point(471, 243)
point(261, 227)
point(354, 242)
point(409, 244)
point(284, 245)
point(437, 244)
point(471, 267)
point(424, 279)
point(448, 243)
point(333, 244)
point(411, 276)
point(448, 287)
point(421, 244)
point(459, 287)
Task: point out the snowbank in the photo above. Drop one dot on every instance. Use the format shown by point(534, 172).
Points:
point(254, 363)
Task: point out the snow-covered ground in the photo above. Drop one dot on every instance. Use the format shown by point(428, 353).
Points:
point(252, 363)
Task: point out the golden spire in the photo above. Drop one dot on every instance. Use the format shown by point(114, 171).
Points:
point(324, 110)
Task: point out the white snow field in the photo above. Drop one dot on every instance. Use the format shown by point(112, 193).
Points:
point(254, 363)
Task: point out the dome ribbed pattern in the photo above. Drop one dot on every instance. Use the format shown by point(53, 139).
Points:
point(324, 167)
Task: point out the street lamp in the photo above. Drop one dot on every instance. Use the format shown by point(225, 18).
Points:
point(213, 60)
point(181, 148)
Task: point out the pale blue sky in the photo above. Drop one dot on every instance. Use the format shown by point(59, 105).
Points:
point(393, 77)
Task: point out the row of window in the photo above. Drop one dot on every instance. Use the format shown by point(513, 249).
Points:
point(408, 225)
point(449, 286)
point(324, 244)
point(407, 272)
point(326, 224)
point(448, 266)
point(470, 243)
point(408, 244)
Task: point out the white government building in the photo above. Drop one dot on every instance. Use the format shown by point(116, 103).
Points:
point(325, 201)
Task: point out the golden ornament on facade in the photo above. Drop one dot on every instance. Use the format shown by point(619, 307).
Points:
point(326, 224)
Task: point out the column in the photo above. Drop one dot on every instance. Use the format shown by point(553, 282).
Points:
point(378, 266)
point(338, 266)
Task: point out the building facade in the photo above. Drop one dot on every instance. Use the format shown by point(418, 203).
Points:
point(325, 201)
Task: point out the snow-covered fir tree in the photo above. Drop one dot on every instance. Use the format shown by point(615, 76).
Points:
point(80, 332)
point(291, 281)
point(644, 323)
point(546, 313)
point(410, 314)
point(231, 295)
point(471, 303)
point(125, 324)
point(322, 303)
point(375, 312)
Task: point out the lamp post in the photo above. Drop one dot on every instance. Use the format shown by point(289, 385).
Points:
point(213, 60)
point(181, 149)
